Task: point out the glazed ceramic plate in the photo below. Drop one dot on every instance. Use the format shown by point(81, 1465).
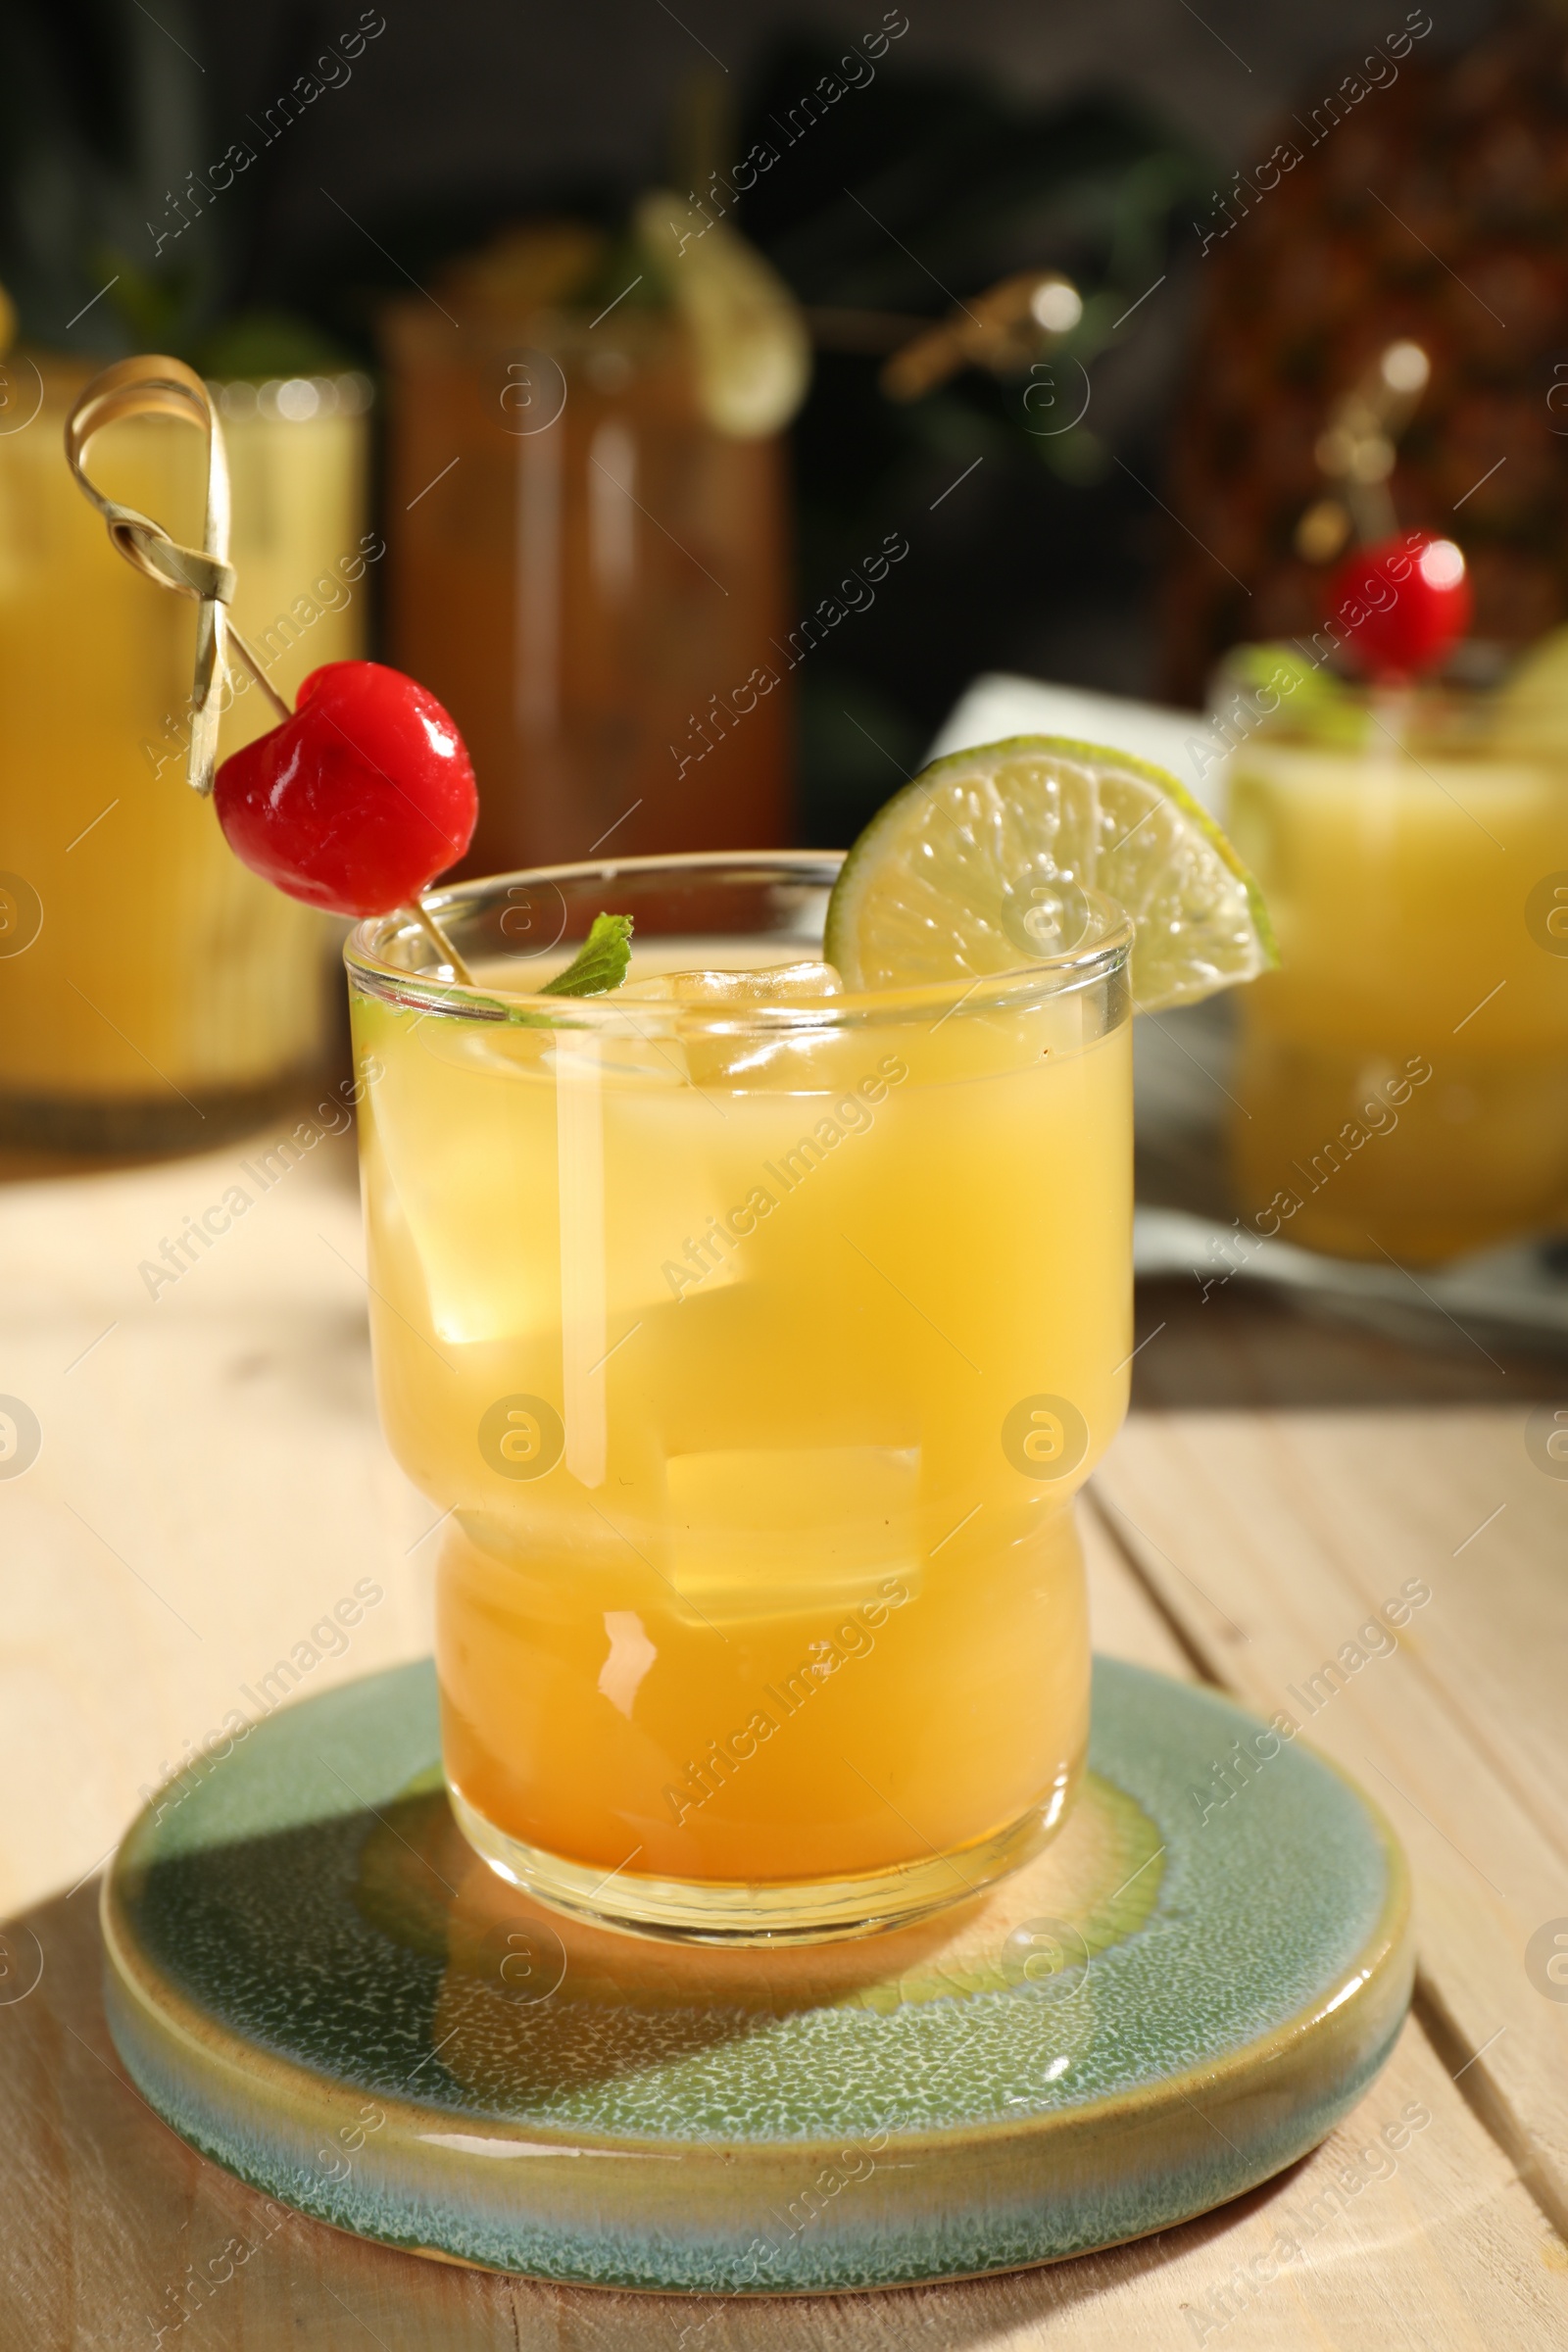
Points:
point(314, 1979)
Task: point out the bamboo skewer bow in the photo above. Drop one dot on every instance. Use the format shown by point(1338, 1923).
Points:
point(1355, 452)
point(159, 386)
point(1003, 329)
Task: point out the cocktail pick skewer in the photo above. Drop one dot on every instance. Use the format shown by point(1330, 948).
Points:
point(161, 386)
point(435, 932)
point(1355, 452)
point(1402, 601)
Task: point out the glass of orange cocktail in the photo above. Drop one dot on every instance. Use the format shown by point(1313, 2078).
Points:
point(1402, 1085)
point(154, 993)
point(756, 1335)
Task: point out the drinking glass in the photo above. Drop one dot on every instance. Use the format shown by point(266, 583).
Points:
point(154, 993)
point(754, 1341)
point(1402, 1084)
point(591, 577)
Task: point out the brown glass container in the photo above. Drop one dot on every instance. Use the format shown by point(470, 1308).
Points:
point(590, 576)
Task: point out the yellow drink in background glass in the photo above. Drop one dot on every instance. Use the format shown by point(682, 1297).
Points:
point(1403, 1075)
point(756, 1353)
point(153, 991)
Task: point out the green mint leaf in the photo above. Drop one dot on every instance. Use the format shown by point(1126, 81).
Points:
point(600, 963)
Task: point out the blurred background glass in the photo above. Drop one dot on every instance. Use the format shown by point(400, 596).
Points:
point(591, 558)
point(1401, 1088)
point(154, 993)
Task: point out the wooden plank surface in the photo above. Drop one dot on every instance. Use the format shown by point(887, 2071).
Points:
point(212, 1480)
point(1277, 1535)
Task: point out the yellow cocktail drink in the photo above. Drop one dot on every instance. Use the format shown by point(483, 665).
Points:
point(1403, 1075)
point(756, 1341)
point(150, 985)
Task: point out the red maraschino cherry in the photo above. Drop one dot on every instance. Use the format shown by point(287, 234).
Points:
point(360, 800)
point(1403, 604)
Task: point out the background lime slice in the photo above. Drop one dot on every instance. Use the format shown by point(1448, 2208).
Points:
point(980, 865)
point(752, 354)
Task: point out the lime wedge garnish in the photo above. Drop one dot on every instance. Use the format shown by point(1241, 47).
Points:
point(982, 863)
point(751, 351)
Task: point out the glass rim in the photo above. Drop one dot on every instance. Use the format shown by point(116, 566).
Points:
point(372, 969)
point(494, 329)
point(353, 387)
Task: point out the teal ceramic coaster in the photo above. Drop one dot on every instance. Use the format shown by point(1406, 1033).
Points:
point(314, 1979)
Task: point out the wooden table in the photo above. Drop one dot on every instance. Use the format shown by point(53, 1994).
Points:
point(212, 1481)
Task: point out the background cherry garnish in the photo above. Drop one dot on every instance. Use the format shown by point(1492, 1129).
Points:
point(360, 800)
point(1404, 604)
